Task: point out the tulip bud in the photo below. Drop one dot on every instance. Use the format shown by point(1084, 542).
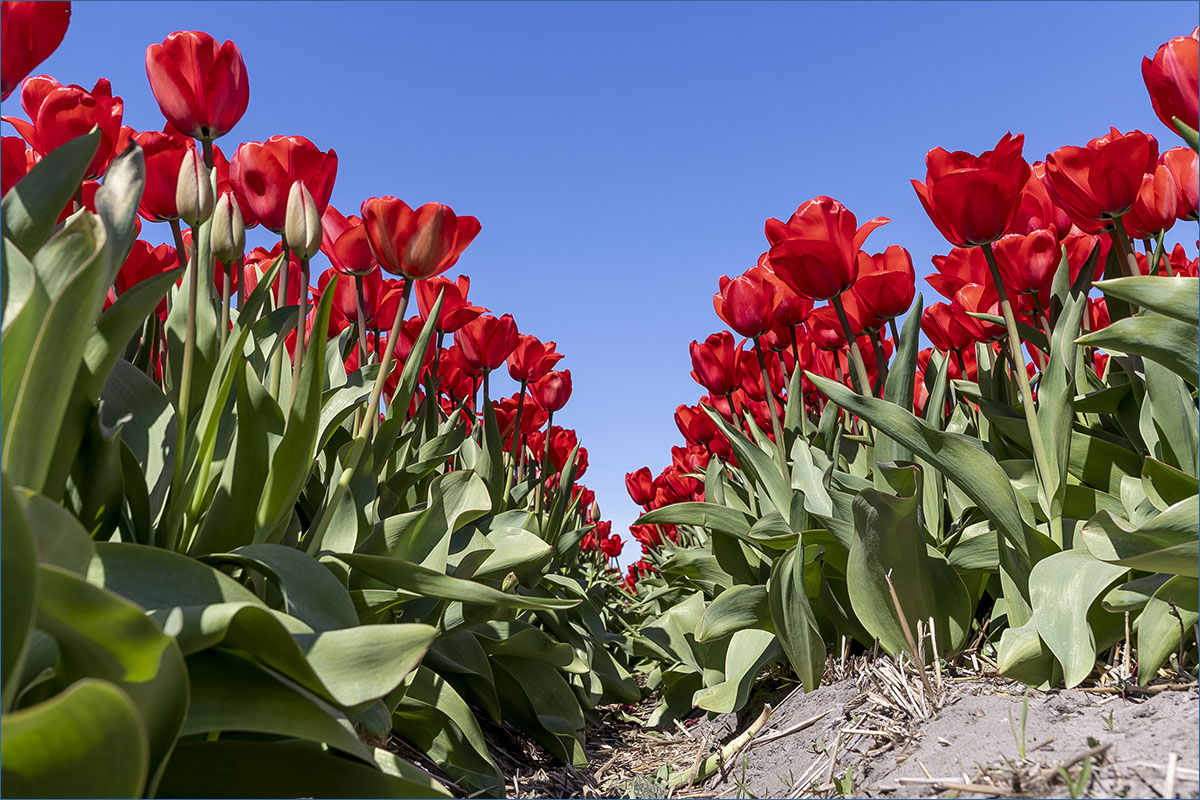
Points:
point(302, 224)
point(228, 230)
point(193, 192)
point(509, 584)
point(594, 512)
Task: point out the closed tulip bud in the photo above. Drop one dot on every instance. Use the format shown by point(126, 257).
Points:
point(228, 230)
point(193, 192)
point(594, 514)
point(302, 225)
point(509, 585)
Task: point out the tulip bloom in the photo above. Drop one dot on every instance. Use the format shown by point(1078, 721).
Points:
point(976, 299)
point(29, 33)
point(201, 87)
point(961, 266)
point(487, 341)
point(1184, 164)
point(945, 328)
point(886, 283)
point(640, 485)
point(14, 163)
point(262, 174)
point(714, 363)
point(145, 261)
point(1155, 206)
point(695, 424)
point(417, 244)
point(1027, 263)
point(60, 113)
point(815, 253)
point(1171, 78)
point(973, 199)
point(552, 391)
point(1098, 183)
point(825, 329)
point(344, 243)
point(1036, 209)
point(531, 359)
point(745, 304)
point(164, 155)
point(456, 311)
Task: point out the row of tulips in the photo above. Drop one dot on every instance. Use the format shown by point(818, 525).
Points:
point(1027, 484)
point(256, 523)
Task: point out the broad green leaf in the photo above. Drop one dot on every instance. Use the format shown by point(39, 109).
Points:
point(540, 701)
point(706, 515)
point(900, 382)
point(1178, 298)
point(1171, 614)
point(31, 208)
point(793, 619)
point(749, 651)
point(735, 608)
point(1063, 588)
point(430, 583)
point(58, 537)
point(149, 432)
point(1174, 344)
point(117, 202)
point(232, 768)
point(424, 536)
point(1174, 415)
point(1023, 656)
point(1169, 542)
point(18, 590)
point(88, 741)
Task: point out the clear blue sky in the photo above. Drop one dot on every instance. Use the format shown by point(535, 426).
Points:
point(623, 156)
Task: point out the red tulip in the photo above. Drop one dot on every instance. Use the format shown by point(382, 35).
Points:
point(977, 299)
point(552, 391)
point(886, 283)
point(1171, 78)
point(456, 311)
point(945, 328)
point(1184, 164)
point(389, 303)
point(714, 363)
point(14, 162)
point(487, 341)
point(612, 546)
point(640, 485)
point(1184, 266)
point(201, 87)
point(263, 173)
point(345, 296)
point(1098, 183)
point(145, 261)
point(259, 260)
point(825, 329)
point(344, 243)
point(562, 442)
point(963, 265)
point(1155, 206)
point(29, 33)
point(455, 375)
point(531, 359)
point(164, 154)
point(973, 199)
point(1027, 262)
point(420, 243)
point(745, 303)
point(695, 424)
point(1098, 318)
point(815, 253)
point(1079, 248)
point(60, 113)
point(1036, 209)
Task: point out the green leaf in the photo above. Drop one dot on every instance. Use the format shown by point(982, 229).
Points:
point(541, 702)
point(18, 590)
point(117, 204)
point(794, 621)
point(58, 537)
point(31, 208)
point(900, 382)
point(758, 465)
point(101, 635)
point(890, 541)
point(232, 768)
point(1178, 298)
point(735, 608)
point(1174, 344)
point(149, 432)
point(749, 651)
point(1168, 542)
point(430, 583)
point(1171, 614)
point(88, 741)
point(1063, 588)
point(1023, 656)
point(706, 515)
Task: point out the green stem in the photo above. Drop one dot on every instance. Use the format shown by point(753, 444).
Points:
point(1046, 473)
point(1121, 239)
point(185, 381)
point(1159, 252)
point(226, 296)
point(862, 383)
point(280, 302)
point(776, 428)
point(512, 448)
point(881, 365)
point(240, 266)
point(301, 330)
point(544, 465)
point(386, 359)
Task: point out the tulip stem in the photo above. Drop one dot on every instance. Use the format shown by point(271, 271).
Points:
point(206, 149)
point(240, 266)
point(360, 304)
point(280, 302)
point(1121, 238)
point(881, 364)
point(1159, 252)
point(301, 329)
point(385, 362)
point(226, 292)
point(776, 428)
point(1048, 476)
point(544, 465)
point(180, 250)
point(895, 332)
point(517, 425)
point(185, 380)
point(862, 383)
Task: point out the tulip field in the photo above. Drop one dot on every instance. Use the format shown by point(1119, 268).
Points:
point(268, 530)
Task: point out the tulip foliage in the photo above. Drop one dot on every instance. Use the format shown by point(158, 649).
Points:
point(1026, 486)
point(254, 523)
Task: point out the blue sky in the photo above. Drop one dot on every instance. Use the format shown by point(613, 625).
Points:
point(621, 156)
